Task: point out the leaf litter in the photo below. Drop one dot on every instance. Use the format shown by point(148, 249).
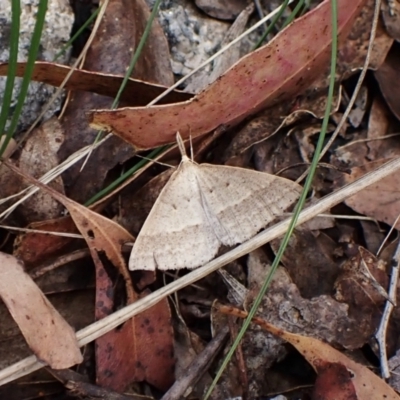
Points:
point(331, 286)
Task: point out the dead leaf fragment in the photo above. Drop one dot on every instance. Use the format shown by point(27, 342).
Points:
point(333, 383)
point(100, 233)
point(38, 156)
point(387, 77)
point(367, 385)
point(380, 201)
point(48, 335)
point(250, 85)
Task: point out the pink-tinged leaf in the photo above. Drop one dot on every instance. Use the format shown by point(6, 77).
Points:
point(47, 333)
point(273, 73)
point(141, 349)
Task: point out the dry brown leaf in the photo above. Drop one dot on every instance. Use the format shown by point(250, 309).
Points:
point(333, 383)
point(47, 333)
point(33, 247)
point(141, 349)
point(387, 77)
point(100, 233)
point(367, 385)
point(38, 156)
point(271, 74)
point(136, 93)
point(381, 200)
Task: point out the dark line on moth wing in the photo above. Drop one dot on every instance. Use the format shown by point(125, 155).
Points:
point(237, 223)
point(204, 203)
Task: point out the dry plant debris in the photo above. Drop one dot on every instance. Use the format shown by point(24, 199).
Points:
point(326, 299)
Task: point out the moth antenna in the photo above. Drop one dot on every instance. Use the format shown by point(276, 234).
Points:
point(181, 145)
point(191, 148)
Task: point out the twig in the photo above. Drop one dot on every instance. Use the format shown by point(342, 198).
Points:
point(110, 322)
point(380, 334)
point(197, 368)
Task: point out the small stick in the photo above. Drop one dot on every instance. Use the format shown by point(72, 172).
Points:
point(380, 334)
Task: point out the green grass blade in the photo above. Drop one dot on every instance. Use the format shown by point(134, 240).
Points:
point(104, 192)
point(33, 50)
point(293, 14)
point(272, 25)
point(12, 64)
point(298, 207)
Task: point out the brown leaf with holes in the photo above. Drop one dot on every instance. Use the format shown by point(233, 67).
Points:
point(47, 333)
point(319, 354)
point(100, 233)
point(263, 78)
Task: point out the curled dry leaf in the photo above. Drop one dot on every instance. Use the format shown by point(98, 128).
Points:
point(47, 333)
point(271, 74)
point(319, 354)
point(136, 93)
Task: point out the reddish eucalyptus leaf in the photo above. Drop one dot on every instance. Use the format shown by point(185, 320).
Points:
point(141, 349)
point(273, 73)
point(136, 93)
point(48, 335)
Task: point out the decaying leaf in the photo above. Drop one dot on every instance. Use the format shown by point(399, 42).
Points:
point(137, 92)
point(367, 385)
point(387, 76)
point(38, 156)
point(141, 349)
point(100, 233)
point(381, 200)
point(250, 85)
point(47, 333)
point(110, 52)
point(33, 247)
